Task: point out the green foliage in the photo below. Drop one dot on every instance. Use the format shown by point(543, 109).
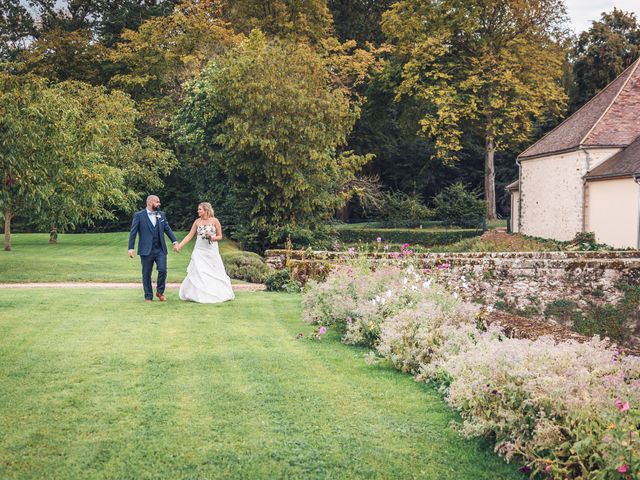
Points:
point(456, 205)
point(423, 237)
point(154, 61)
point(359, 19)
point(267, 117)
point(401, 210)
point(71, 153)
point(585, 241)
point(563, 310)
point(281, 281)
point(16, 25)
point(278, 280)
point(306, 20)
point(606, 320)
point(602, 52)
point(247, 266)
point(61, 55)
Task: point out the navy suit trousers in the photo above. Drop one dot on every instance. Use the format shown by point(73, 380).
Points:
point(158, 257)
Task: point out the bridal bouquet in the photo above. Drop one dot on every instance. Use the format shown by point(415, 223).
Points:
point(207, 232)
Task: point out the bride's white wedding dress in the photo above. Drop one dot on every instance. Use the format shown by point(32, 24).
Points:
point(206, 280)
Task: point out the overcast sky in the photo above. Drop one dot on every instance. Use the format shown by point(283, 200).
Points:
point(583, 12)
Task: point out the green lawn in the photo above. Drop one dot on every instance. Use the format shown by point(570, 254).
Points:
point(84, 258)
point(180, 390)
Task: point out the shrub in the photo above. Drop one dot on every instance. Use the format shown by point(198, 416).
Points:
point(400, 210)
point(455, 205)
point(426, 238)
point(277, 281)
point(247, 266)
point(281, 281)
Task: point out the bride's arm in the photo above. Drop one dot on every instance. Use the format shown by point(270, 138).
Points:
point(189, 236)
point(216, 223)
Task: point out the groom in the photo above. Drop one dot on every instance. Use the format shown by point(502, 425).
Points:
point(151, 224)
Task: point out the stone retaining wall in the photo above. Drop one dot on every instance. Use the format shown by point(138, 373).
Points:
point(522, 282)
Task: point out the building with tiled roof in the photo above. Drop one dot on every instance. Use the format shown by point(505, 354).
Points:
point(584, 175)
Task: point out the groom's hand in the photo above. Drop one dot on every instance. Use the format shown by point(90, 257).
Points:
point(176, 248)
point(131, 253)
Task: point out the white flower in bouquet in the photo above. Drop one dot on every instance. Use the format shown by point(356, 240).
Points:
point(207, 232)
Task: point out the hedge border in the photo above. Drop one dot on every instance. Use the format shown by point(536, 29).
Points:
point(423, 237)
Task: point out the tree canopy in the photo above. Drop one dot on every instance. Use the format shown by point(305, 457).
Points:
point(602, 53)
point(70, 153)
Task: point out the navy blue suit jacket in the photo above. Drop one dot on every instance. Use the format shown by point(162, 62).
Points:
point(143, 227)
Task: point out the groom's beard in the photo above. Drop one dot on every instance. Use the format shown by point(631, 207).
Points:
point(156, 208)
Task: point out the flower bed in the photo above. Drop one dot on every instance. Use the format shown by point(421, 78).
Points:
point(564, 409)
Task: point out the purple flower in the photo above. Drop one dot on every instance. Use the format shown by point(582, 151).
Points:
point(352, 251)
point(386, 247)
point(379, 239)
point(349, 319)
point(322, 330)
point(525, 469)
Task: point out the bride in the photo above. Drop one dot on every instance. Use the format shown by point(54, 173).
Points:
point(206, 280)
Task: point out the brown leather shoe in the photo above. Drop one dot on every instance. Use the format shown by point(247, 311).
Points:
point(161, 297)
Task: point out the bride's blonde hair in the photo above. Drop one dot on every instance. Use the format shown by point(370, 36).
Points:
point(207, 208)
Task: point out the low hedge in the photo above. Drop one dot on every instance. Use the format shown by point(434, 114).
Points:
point(424, 237)
point(247, 266)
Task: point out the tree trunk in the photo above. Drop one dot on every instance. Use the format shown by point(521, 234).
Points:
point(53, 235)
point(7, 229)
point(490, 179)
point(342, 214)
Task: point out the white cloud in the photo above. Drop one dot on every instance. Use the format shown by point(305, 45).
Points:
point(583, 12)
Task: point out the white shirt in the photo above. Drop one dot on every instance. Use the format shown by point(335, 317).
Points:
point(152, 217)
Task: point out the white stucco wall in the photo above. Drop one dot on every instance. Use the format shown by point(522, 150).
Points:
point(552, 192)
point(515, 210)
point(612, 211)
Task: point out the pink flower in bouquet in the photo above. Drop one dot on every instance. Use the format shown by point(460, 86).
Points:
point(351, 251)
point(623, 407)
point(322, 330)
point(386, 247)
point(623, 468)
point(395, 255)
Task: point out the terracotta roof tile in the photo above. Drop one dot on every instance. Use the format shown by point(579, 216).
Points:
point(623, 164)
point(608, 119)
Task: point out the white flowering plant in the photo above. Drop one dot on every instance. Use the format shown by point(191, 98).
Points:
point(566, 410)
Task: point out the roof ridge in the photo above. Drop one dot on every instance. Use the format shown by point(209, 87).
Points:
point(633, 66)
point(587, 104)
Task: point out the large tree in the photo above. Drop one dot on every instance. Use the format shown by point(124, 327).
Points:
point(266, 115)
point(493, 66)
point(71, 154)
point(601, 53)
